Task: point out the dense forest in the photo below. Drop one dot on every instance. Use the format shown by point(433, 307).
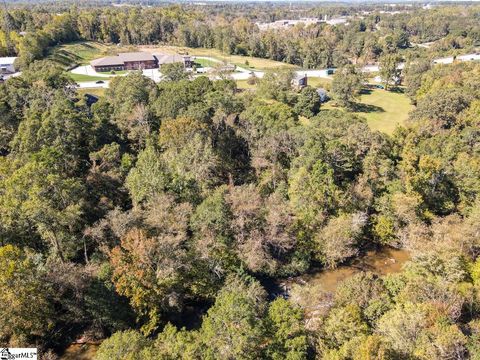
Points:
point(155, 218)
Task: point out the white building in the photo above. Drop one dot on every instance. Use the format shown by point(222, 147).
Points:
point(6, 65)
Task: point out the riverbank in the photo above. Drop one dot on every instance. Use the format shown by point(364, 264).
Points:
point(315, 290)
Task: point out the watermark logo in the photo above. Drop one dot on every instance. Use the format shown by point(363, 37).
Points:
point(18, 353)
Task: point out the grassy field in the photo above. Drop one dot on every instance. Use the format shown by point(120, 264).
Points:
point(82, 77)
point(96, 92)
point(317, 82)
point(243, 84)
point(206, 62)
point(116, 72)
point(253, 62)
point(382, 109)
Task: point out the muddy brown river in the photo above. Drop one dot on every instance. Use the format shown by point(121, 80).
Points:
point(381, 262)
point(314, 291)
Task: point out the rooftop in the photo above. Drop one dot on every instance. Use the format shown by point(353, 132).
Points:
point(7, 60)
point(136, 56)
point(169, 59)
point(122, 58)
point(107, 61)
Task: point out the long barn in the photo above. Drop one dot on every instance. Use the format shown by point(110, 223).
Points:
point(137, 61)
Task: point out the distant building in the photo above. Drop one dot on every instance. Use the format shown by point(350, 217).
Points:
point(288, 23)
point(299, 81)
point(137, 61)
point(7, 65)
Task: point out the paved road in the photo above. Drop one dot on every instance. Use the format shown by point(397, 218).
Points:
point(450, 59)
point(243, 73)
point(92, 85)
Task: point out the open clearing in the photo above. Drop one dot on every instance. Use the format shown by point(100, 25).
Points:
point(97, 92)
point(243, 84)
point(383, 110)
point(206, 62)
point(247, 62)
point(318, 82)
point(82, 77)
point(82, 52)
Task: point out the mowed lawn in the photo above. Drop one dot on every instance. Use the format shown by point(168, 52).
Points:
point(243, 84)
point(318, 82)
point(384, 110)
point(206, 63)
point(83, 77)
point(97, 92)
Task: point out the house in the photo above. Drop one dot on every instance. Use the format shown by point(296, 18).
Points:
point(287, 23)
point(7, 65)
point(299, 81)
point(125, 61)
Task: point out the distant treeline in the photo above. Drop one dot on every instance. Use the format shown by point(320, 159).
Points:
point(367, 36)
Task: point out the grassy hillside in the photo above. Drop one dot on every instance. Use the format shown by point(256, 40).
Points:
point(82, 52)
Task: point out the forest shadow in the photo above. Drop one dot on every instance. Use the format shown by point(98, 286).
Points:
point(397, 89)
point(367, 108)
